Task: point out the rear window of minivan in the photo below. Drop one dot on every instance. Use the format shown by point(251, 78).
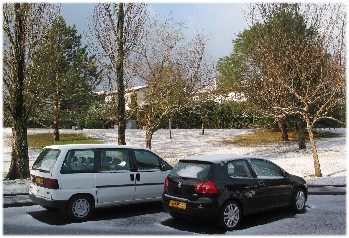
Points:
point(194, 170)
point(46, 160)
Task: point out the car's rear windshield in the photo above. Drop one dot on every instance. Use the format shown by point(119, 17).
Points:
point(194, 170)
point(46, 160)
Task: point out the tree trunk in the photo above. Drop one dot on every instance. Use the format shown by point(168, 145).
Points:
point(19, 168)
point(148, 137)
point(283, 128)
point(120, 76)
point(149, 130)
point(301, 138)
point(56, 112)
point(202, 126)
point(169, 127)
point(313, 147)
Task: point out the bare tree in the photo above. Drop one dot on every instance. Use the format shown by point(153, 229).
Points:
point(116, 29)
point(174, 67)
point(308, 61)
point(24, 28)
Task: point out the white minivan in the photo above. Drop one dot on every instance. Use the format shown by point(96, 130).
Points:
point(79, 178)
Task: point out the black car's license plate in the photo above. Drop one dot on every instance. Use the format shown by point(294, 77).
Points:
point(181, 205)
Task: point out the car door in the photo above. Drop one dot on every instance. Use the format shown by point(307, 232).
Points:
point(277, 189)
point(150, 175)
point(243, 181)
point(76, 175)
point(114, 183)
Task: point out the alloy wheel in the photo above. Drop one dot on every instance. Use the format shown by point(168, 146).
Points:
point(231, 215)
point(300, 200)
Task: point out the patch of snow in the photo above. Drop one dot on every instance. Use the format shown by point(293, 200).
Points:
point(218, 158)
point(186, 143)
point(190, 172)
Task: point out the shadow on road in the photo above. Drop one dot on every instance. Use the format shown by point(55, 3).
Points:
point(247, 222)
point(263, 218)
point(129, 211)
point(199, 227)
point(108, 213)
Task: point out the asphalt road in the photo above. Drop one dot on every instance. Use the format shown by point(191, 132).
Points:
point(325, 215)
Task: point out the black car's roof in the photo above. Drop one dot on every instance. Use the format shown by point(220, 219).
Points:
point(219, 158)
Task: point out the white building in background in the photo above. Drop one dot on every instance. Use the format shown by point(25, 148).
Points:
point(109, 96)
point(140, 91)
point(232, 96)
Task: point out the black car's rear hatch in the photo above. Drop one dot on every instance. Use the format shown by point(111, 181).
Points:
point(184, 178)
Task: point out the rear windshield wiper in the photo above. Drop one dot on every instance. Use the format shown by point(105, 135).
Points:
point(186, 177)
point(41, 170)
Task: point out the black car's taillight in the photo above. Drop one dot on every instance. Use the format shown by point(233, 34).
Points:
point(166, 183)
point(206, 187)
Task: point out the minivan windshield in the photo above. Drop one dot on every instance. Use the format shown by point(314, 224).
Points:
point(46, 160)
point(191, 170)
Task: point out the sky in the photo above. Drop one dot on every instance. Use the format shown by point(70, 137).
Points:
point(223, 21)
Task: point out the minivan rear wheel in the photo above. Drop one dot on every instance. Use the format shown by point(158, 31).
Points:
point(80, 207)
point(230, 216)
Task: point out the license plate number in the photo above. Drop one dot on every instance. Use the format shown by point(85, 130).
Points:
point(181, 205)
point(39, 181)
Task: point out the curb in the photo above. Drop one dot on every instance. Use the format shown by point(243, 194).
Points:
point(321, 186)
point(18, 204)
point(321, 189)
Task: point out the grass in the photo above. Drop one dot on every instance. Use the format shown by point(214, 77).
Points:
point(39, 141)
point(261, 137)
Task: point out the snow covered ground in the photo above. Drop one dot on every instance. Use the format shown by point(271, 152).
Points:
point(331, 151)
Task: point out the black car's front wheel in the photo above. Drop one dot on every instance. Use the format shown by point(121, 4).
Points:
point(299, 199)
point(230, 216)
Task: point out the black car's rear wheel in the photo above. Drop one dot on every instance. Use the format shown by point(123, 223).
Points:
point(299, 199)
point(230, 215)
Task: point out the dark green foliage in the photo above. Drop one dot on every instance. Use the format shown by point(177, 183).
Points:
point(229, 115)
point(68, 77)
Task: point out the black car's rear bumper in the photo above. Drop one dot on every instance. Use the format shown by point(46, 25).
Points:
point(203, 208)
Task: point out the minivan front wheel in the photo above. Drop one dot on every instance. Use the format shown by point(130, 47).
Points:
point(230, 216)
point(80, 207)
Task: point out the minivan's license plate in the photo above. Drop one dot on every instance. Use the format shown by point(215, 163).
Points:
point(39, 181)
point(181, 205)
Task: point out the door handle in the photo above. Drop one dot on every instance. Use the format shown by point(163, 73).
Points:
point(138, 177)
point(132, 176)
point(261, 183)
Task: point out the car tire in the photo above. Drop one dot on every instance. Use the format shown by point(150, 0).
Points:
point(298, 201)
point(230, 215)
point(80, 207)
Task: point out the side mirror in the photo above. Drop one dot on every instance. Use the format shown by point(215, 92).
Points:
point(287, 175)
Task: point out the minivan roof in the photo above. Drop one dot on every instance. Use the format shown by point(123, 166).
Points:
point(93, 146)
point(219, 158)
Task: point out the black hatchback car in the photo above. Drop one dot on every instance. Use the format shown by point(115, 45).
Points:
point(223, 188)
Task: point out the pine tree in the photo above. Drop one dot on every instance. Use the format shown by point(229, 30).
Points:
point(69, 75)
